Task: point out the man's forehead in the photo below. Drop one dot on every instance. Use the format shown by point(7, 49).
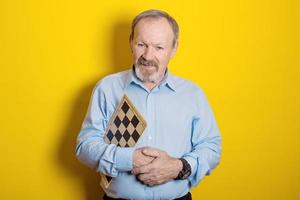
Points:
point(158, 27)
point(154, 20)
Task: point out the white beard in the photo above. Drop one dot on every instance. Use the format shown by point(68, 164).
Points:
point(145, 76)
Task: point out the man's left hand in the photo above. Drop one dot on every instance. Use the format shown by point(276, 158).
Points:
point(162, 169)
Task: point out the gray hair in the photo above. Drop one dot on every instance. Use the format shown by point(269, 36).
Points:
point(155, 14)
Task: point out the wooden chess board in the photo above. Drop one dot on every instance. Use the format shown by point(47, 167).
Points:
point(125, 128)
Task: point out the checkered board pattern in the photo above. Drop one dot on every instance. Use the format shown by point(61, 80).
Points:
point(126, 125)
point(124, 129)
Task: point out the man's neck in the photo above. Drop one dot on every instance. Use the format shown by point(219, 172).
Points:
point(150, 85)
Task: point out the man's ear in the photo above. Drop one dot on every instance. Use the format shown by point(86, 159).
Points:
point(174, 49)
point(131, 44)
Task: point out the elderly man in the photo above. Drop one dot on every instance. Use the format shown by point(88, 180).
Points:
point(181, 143)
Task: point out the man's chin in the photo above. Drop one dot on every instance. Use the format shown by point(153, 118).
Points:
point(147, 75)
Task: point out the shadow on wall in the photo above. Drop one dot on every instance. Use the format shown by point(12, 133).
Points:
point(121, 60)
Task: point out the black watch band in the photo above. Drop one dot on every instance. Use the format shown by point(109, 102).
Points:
point(186, 170)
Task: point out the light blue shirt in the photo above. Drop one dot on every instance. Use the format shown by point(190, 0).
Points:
point(179, 121)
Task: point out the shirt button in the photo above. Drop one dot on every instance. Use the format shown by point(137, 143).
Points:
point(150, 138)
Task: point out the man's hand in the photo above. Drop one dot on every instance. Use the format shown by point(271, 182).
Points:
point(162, 169)
point(140, 159)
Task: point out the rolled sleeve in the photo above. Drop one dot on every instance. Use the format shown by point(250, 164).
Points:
point(91, 148)
point(124, 158)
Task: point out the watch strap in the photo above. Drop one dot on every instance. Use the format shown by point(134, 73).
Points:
point(186, 170)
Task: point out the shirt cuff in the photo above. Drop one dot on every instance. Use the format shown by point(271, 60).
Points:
point(124, 158)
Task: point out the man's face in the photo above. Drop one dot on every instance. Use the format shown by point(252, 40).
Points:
point(152, 48)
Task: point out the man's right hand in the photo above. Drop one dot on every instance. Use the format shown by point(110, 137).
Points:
point(140, 159)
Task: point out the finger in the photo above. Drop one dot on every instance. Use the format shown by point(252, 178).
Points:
point(147, 182)
point(151, 177)
point(151, 152)
point(146, 178)
point(142, 170)
point(154, 182)
point(150, 180)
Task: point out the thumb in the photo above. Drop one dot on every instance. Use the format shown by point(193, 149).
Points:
point(150, 152)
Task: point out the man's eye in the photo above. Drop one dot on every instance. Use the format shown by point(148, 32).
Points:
point(141, 45)
point(159, 48)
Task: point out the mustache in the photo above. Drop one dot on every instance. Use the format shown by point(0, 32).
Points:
point(143, 61)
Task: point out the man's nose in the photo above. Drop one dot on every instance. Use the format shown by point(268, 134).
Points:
point(148, 53)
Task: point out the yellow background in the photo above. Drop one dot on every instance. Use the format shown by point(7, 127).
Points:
point(245, 54)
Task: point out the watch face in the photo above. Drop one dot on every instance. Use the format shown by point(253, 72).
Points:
point(186, 174)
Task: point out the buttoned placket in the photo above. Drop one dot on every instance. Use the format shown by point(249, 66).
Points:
point(152, 125)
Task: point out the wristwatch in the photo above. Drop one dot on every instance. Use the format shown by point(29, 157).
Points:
point(186, 170)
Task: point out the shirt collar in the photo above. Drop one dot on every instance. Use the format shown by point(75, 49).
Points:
point(168, 80)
